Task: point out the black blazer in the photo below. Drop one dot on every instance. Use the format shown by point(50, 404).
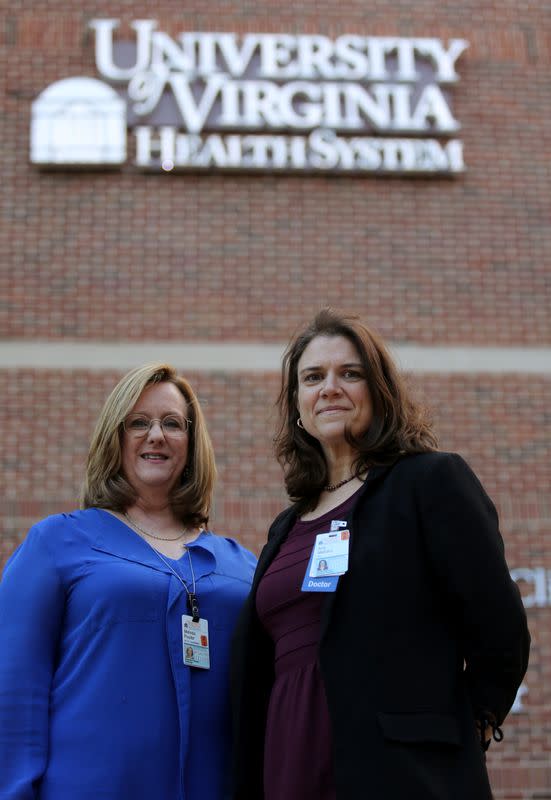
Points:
point(425, 632)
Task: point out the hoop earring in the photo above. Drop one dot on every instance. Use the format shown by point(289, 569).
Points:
point(299, 423)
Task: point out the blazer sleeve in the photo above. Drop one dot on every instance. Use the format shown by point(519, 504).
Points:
point(31, 612)
point(466, 550)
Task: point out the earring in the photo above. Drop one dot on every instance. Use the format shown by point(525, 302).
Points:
point(299, 423)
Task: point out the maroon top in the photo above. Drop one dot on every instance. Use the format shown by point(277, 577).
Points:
point(298, 751)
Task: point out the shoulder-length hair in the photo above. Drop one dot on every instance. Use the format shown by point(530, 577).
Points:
point(105, 485)
point(399, 424)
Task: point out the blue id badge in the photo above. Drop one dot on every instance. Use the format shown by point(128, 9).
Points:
point(328, 560)
point(322, 584)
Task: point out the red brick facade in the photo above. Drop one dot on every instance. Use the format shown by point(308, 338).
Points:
point(463, 261)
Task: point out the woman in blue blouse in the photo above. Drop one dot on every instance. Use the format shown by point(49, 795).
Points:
point(115, 620)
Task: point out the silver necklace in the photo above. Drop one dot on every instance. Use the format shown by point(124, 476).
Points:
point(152, 535)
point(331, 487)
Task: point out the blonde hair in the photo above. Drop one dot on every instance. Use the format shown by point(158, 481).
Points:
point(105, 486)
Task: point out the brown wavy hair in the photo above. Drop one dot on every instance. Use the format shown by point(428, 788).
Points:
point(105, 485)
point(399, 426)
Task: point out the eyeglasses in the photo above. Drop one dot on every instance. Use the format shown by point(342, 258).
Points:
point(138, 425)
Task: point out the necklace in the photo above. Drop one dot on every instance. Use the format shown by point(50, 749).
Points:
point(191, 595)
point(331, 487)
point(152, 535)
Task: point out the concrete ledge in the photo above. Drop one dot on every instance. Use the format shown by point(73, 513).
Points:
point(233, 357)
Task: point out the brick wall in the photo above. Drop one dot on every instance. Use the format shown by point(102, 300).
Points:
point(127, 256)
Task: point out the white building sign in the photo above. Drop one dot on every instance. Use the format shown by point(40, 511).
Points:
point(78, 121)
point(535, 586)
point(261, 101)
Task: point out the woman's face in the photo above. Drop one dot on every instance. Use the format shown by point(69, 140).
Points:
point(332, 390)
point(155, 460)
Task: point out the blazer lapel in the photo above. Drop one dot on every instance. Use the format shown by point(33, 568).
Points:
point(374, 476)
point(279, 532)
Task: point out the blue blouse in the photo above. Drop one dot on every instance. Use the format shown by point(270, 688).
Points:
point(95, 700)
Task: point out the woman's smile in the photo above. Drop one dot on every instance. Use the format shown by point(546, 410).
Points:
point(155, 460)
point(333, 394)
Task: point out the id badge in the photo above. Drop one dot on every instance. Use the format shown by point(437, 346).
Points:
point(324, 584)
point(195, 640)
point(330, 554)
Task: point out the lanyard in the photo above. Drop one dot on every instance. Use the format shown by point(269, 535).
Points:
point(193, 603)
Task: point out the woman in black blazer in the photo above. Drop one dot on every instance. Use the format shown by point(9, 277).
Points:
point(385, 675)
